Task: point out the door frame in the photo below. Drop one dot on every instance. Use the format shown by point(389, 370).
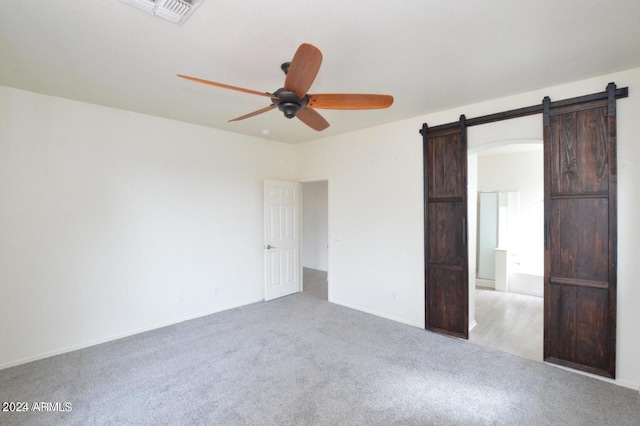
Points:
point(474, 213)
point(301, 182)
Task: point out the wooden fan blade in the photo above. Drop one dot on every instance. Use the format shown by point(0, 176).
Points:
point(226, 86)
point(303, 69)
point(349, 101)
point(312, 119)
point(251, 114)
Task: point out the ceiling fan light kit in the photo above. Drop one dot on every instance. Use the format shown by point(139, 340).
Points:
point(293, 100)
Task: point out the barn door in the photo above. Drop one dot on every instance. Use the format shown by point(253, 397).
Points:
point(580, 235)
point(446, 255)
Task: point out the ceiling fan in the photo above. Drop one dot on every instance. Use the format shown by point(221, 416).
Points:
point(293, 99)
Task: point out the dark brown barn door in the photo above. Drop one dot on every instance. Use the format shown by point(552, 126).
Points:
point(446, 255)
point(580, 236)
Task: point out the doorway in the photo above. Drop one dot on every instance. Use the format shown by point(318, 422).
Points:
point(580, 227)
point(315, 239)
point(509, 259)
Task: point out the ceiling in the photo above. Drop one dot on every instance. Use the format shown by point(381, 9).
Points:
point(430, 55)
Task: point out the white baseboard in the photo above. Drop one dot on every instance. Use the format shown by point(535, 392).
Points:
point(481, 282)
point(378, 314)
point(619, 382)
point(90, 343)
point(527, 292)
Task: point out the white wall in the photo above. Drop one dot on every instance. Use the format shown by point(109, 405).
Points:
point(315, 224)
point(113, 222)
point(375, 218)
point(376, 209)
point(521, 172)
point(107, 217)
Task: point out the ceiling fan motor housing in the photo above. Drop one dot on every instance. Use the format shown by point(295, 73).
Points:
point(289, 103)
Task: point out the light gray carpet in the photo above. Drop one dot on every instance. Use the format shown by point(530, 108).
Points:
point(300, 360)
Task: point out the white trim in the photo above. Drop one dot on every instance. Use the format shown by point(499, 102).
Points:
point(317, 179)
point(378, 314)
point(314, 179)
point(90, 343)
point(472, 325)
point(485, 283)
point(503, 142)
point(528, 293)
point(623, 383)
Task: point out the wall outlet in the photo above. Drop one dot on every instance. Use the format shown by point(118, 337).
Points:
point(181, 298)
point(394, 296)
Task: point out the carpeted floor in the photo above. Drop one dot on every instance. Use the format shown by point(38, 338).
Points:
point(300, 360)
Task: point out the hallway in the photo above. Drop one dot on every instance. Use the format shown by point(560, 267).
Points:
point(315, 283)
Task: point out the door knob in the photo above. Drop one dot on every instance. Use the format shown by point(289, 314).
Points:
point(269, 246)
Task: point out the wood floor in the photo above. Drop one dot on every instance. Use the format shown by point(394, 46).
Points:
point(509, 322)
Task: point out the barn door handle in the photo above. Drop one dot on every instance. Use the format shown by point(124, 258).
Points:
point(464, 231)
point(547, 231)
point(269, 246)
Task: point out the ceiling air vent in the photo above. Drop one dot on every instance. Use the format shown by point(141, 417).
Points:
point(173, 10)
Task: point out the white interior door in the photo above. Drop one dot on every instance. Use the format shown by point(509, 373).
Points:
point(281, 238)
